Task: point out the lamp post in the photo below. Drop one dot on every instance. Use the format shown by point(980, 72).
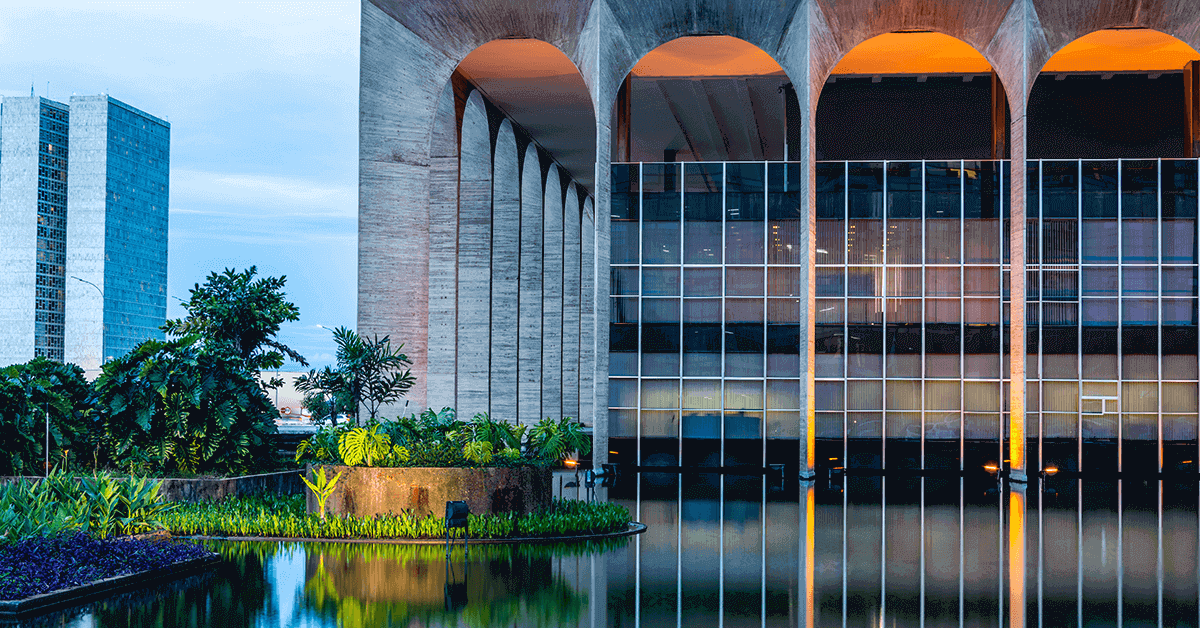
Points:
point(101, 291)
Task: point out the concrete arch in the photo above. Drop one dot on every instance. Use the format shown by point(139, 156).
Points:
point(505, 263)
point(1064, 22)
point(571, 299)
point(474, 260)
point(628, 65)
point(552, 291)
point(529, 324)
point(443, 253)
point(587, 310)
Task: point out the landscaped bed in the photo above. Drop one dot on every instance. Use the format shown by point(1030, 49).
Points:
point(285, 517)
point(40, 565)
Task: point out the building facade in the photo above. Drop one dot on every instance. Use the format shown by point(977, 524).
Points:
point(90, 287)
point(841, 265)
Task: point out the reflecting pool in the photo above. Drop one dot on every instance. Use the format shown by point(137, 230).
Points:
point(726, 550)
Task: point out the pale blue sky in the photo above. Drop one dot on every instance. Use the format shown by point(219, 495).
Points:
point(262, 98)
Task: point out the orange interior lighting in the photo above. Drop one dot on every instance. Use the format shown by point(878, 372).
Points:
point(1122, 50)
point(717, 55)
point(913, 53)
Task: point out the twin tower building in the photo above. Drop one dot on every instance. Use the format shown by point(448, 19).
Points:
point(83, 228)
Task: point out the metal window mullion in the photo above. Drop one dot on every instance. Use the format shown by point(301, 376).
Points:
point(641, 271)
point(1079, 317)
point(766, 258)
point(1120, 330)
point(924, 247)
point(962, 318)
point(1041, 309)
point(884, 289)
point(1158, 307)
point(845, 324)
point(724, 366)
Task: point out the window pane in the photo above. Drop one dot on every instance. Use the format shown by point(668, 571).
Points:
point(624, 280)
point(744, 281)
point(660, 281)
point(660, 213)
point(702, 282)
point(702, 213)
point(625, 233)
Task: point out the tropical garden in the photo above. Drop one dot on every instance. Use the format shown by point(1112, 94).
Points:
point(194, 405)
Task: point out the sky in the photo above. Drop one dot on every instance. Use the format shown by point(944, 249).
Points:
point(262, 98)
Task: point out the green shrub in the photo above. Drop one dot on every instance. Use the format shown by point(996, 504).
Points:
point(27, 392)
point(439, 439)
point(101, 505)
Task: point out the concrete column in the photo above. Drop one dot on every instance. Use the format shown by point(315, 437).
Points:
point(474, 260)
point(1016, 238)
point(529, 385)
point(443, 254)
point(506, 256)
point(552, 288)
point(396, 106)
point(587, 313)
point(571, 275)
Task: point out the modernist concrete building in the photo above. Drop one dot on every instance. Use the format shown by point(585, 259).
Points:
point(805, 233)
point(83, 213)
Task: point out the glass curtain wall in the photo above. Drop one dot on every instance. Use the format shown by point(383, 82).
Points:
point(705, 316)
point(1115, 289)
point(908, 310)
point(911, 313)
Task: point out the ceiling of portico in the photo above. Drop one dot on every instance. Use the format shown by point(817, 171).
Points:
point(542, 91)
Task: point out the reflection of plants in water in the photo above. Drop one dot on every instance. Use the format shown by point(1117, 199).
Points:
point(379, 585)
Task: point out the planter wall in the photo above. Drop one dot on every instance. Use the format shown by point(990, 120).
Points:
point(209, 489)
point(369, 491)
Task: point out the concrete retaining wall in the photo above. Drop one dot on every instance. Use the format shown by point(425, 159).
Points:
point(368, 491)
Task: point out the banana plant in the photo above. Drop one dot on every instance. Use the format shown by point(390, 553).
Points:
point(322, 488)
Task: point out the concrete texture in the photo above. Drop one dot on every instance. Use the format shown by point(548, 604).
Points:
point(441, 375)
point(552, 278)
point(474, 261)
point(410, 49)
point(529, 325)
point(370, 491)
point(506, 262)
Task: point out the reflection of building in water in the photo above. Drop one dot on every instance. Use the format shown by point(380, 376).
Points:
point(873, 554)
point(373, 585)
point(810, 233)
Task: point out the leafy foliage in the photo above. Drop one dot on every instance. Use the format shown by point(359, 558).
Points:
point(439, 439)
point(322, 488)
point(241, 314)
point(285, 517)
point(100, 505)
point(27, 392)
point(182, 405)
point(364, 446)
point(368, 374)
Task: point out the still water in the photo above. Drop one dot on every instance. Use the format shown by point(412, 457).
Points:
point(743, 551)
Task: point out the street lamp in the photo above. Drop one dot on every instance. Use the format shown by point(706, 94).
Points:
point(101, 291)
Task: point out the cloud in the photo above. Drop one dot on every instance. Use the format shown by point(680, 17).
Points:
point(278, 196)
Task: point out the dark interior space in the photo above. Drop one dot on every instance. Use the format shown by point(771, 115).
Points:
point(1106, 116)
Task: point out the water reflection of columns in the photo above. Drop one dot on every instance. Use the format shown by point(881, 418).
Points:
point(807, 555)
point(1016, 556)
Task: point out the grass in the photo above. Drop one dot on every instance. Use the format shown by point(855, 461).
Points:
point(285, 516)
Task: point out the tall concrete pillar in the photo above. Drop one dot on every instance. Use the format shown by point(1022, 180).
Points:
point(474, 259)
point(570, 307)
point(443, 254)
point(552, 288)
point(397, 101)
point(529, 384)
point(587, 312)
point(506, 260)
point(1013, 51)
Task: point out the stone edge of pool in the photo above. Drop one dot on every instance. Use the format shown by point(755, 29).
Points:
point(634, 528)
point(66, 598)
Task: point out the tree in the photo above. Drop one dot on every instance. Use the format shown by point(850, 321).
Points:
point(27, 392)
point(183, 405)
point(243, 314)
point(324, 394)
point(368, 374)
